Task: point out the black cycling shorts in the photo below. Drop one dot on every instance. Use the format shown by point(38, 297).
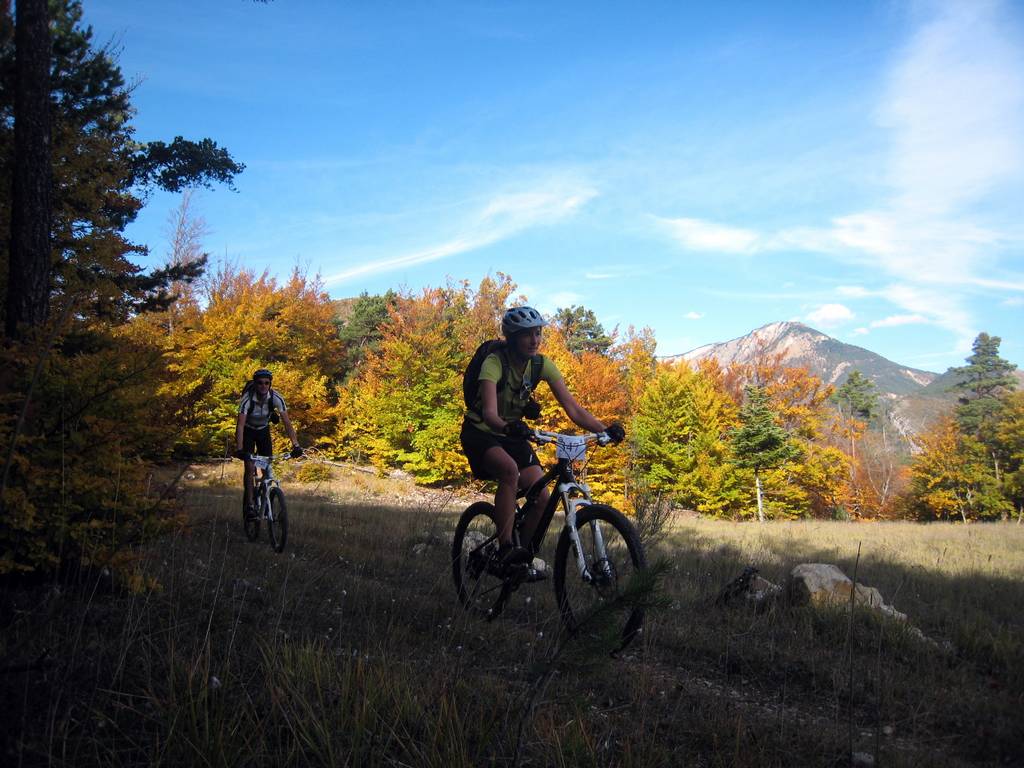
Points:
point(476, 442)
point(257, 441)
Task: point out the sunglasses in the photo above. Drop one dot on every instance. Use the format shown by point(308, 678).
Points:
point(263, 382)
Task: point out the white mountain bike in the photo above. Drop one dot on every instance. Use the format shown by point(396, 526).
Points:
point(268, 499)
point(598, 549)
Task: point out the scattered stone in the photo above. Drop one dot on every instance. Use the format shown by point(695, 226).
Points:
point(751, 587)
point(419, 549)
point(737, 587)
point(761, 592)
point(826, 584)
point(862, 760)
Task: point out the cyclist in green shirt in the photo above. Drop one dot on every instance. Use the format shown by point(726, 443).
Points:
point(494, 437)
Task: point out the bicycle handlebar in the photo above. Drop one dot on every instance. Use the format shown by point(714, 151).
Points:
point(275, 457)
point(544, 437)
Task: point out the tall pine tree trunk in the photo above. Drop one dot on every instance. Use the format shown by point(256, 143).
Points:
point(760, 503)
point(28, 285)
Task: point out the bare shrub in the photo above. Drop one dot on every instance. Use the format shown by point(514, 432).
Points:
point(652, 513)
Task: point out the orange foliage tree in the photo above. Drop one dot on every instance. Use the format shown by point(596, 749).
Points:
point(404, 407)
point(249, 321)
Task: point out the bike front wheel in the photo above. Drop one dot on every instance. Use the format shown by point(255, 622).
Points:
point(277, 520)
point(474, 553)
point(591, 599)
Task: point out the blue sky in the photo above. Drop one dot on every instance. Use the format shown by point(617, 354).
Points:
point(702, 169)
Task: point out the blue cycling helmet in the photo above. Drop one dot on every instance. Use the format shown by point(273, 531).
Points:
point(263, 373)
point(519, 319)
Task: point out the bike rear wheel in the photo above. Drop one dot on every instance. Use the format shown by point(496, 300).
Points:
point(612, 556)
point(474, 554)
point(251, 523)
point(277, 520)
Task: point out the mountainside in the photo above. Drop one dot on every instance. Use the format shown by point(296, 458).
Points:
point(825, 357)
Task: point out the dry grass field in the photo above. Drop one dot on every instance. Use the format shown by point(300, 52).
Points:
point(350, 649)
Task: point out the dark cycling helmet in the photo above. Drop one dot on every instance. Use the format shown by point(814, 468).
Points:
point(263, 373)
point(520, 319)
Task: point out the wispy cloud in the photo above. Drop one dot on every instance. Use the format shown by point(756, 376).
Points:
point(693, 315)
point(698, 235)
point(501, 217)
point(829, 315)
point(952, 109)
point(896, 320)
point(893, 321)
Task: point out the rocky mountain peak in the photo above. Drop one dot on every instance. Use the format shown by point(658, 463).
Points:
point(825, 357)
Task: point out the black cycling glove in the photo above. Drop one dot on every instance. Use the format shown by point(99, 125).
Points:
point(616, 432)
point(531, 410)
point(296, 451)
point(240, 454)
point(518, 429)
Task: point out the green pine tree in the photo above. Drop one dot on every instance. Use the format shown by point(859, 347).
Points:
point(582, 331)
point(982, 386)
point(857, 397)
point(761, 444)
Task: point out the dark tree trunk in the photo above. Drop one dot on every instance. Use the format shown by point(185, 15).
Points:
point(28, 285)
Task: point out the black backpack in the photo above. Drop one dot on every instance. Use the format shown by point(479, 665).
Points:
point(272, 415)
point(471, 376)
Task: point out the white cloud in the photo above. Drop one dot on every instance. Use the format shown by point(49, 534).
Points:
point(895, 320)
point(952, 109)
point(1013, 301)
point(503, 216)
point(859, 331)
point(829, 315)
point(693, 315)
point(954, 105)
point(701, 235)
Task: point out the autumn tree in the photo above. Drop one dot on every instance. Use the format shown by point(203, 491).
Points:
point(680, 440)
point(251, 321)
point(404, 407)
point(951, 477)
point(596, 381)
point(78, 423)
point(1009, 439)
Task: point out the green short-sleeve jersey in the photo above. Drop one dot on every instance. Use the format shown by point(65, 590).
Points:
point(512, 398)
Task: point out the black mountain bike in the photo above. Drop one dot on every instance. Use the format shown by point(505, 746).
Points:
point(598, 549)
point(268, 498)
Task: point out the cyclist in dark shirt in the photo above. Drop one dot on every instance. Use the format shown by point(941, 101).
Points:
point(258, 408)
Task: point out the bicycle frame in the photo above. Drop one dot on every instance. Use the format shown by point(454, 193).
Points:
point(571, 494)
point(262, 486)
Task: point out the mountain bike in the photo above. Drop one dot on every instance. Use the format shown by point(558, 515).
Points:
point(597, 539)
point(268, 499)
